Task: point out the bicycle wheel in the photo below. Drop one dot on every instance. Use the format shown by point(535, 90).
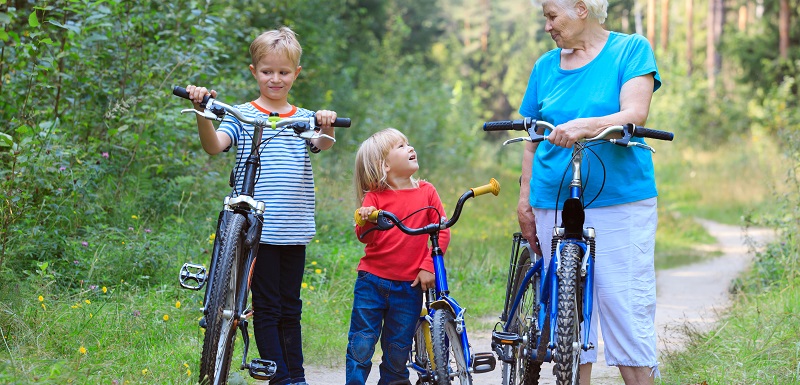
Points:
point(568, 350)
point(525, 369)
point(421, 352)
point(221, 320)
point(448, 355)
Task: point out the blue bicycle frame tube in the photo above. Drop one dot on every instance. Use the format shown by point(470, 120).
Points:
point(441, 273)
point(588, 298)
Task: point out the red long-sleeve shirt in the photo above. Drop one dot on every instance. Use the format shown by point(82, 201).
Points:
point(393, 254)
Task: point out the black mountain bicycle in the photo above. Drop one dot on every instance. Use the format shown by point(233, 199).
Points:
point(227, 280)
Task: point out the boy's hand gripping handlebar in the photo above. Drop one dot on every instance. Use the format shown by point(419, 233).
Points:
point(386, 220)
point(216, 110)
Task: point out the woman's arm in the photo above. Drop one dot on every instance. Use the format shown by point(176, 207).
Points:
point(527, 221)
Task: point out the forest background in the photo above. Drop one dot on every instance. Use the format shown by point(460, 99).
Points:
point(106, 191)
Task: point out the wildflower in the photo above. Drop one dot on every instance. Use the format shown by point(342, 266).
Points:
point(318, 271)
point(211, 238)
point(105, 290)
point(144, 372)
point(178, 304)
point(313, 263)
point(130, 228)
point(316, 240)
point(165, 317)
point(41, 299)
point(82, 350)
point(87, 302)
point(134, 217)
point(92, 287)
point(311, 288)
point(76, 262)
point(136, 313)
point(105, 155)
point(185, 365)
point(84, 243)
point(75, 306)
point(188, 372)
point(44, 306)
point(304, 285)
point(148, 230)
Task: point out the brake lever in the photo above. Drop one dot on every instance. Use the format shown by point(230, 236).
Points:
point(206, 114)
point(314, 135)
point(520, 139)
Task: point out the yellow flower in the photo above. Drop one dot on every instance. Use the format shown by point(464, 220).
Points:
point(165, 317)
point(186, 365)
point(82, 350)
point(316, 240)
point(304, 285)
point(314, 263)
point(311, 288)
point(178, 304)
point(44, 307)
point(188, 372)
point(88, 302)
point(144, 371)
point(105, 290)
point(41, 299)
point(318, 271)
point(135, 217)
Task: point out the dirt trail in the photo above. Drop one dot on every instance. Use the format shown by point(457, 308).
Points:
point(689, 294)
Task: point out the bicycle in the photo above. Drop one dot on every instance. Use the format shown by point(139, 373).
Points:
point(545, 305)
point(227, 280)
point(440, 351)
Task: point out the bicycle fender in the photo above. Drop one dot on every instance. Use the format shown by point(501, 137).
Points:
point(442, 304)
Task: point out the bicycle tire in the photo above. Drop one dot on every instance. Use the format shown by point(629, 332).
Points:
point(525, 370)
point(421, 351)
point(448, 355)
point(568, 350)
point(218, 341)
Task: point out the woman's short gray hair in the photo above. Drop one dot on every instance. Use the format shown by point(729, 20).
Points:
point(598, 9)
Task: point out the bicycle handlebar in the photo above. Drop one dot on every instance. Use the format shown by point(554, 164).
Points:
point(531, 125)
point(218, 110)
point(385, 220)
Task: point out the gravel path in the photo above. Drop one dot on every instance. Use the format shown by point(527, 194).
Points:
point(687, 296)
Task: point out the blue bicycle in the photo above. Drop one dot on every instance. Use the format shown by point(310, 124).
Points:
point(545, 304)
point(441, 353)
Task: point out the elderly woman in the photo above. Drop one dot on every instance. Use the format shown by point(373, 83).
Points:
point(595, 79)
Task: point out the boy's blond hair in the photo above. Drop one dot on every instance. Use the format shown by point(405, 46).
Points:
point(281, 41)
point(370, 173)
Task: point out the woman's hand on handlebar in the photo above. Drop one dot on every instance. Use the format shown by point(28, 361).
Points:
point(425, 279)
point(567, 134)
point(364, 212)
point(196, 95)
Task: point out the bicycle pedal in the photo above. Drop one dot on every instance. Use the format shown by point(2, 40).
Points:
point(203, 322)
point(483, 362)
point(262, 369)
point(505, 338)
point(193, 277)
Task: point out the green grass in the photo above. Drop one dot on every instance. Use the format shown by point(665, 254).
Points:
point(757, 342)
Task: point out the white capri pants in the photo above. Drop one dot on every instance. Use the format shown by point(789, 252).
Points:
point(625, 280)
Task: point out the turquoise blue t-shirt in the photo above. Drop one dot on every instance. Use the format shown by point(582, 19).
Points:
point(557, 96)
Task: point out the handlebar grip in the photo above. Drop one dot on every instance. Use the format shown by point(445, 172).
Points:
point(372, 217)
point(500, 125)
point(644, 132)
point(492, 187)
point(341, 122)
point(180, 91)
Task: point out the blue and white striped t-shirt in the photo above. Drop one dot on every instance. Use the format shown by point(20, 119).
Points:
point(285, 181)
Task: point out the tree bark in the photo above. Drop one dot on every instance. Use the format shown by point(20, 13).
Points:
point(651, 23)
point(690, 36)
point(664, 25)
point(784, 18)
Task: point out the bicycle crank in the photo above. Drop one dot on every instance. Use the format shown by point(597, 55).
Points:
point(193, 277)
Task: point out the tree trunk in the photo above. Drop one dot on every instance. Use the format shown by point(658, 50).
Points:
point(651, 23)
point(712, 64)
point(783, 29)
point(664, 25)
point(689, 36)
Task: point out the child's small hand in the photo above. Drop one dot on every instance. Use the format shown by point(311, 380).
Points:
point(426, 279)
point(365, 212)
point(325, 118)
point(196, 95)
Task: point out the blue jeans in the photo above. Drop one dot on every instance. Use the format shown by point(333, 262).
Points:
point(386, 309)
point(277, 276)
